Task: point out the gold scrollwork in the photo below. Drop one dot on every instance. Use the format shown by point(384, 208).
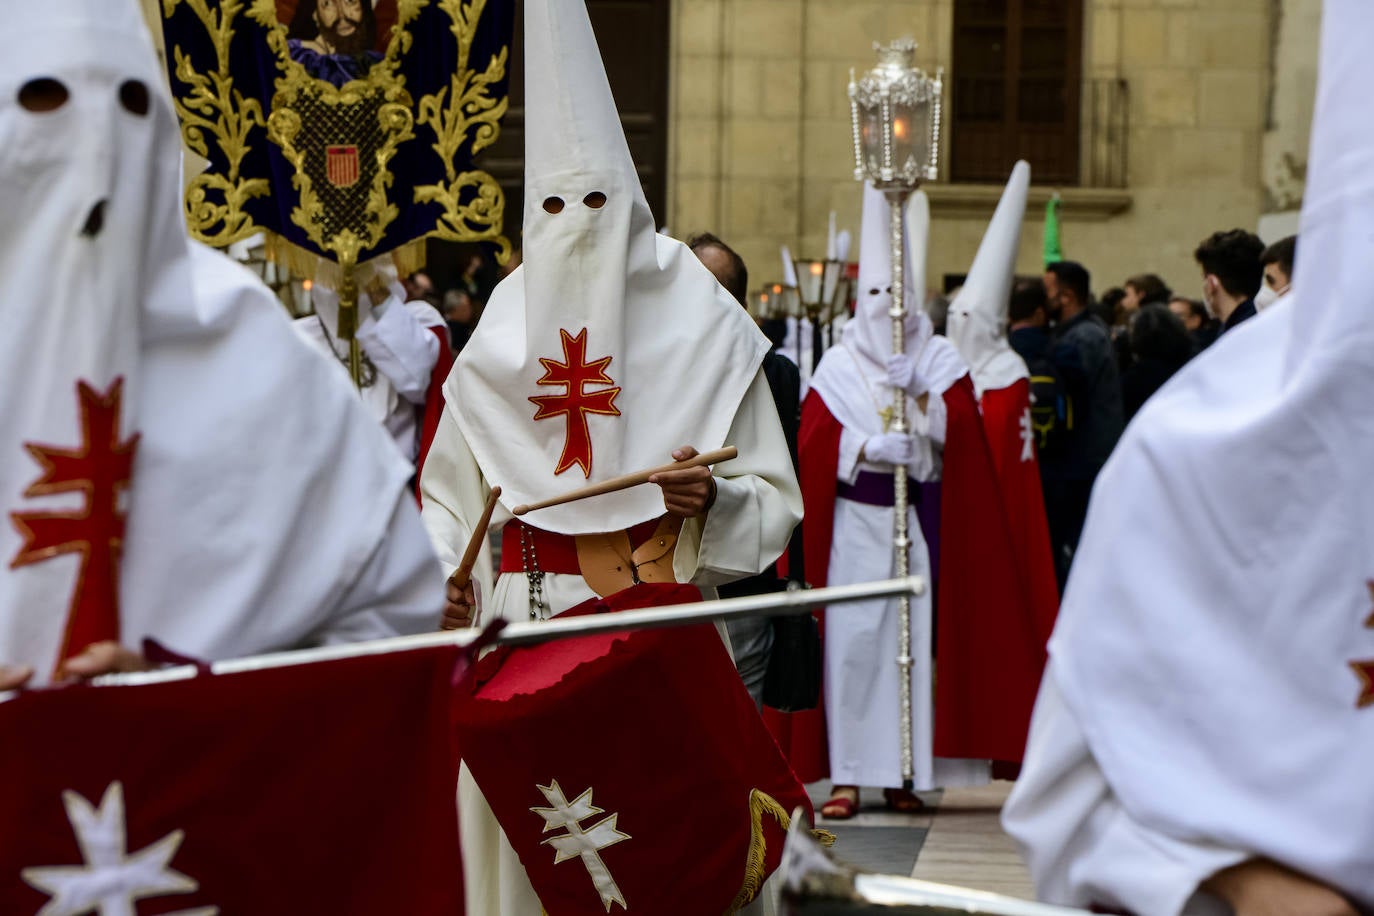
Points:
point(474, 205)
point(371, 116)
point(212, 106)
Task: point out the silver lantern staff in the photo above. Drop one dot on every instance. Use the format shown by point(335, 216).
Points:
point(895, 109)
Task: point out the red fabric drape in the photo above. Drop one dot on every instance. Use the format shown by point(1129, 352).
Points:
point(801, 735)
point(1006, 417)
point(433, 407)
point(988, 653)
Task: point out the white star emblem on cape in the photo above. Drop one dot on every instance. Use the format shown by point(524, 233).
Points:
point(111, 882)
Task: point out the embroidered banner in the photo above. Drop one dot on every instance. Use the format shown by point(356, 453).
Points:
point(346, 128)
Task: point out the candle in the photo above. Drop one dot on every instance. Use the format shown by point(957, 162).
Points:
point(830, 253)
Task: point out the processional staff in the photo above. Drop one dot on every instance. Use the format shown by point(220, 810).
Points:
point(895, 110)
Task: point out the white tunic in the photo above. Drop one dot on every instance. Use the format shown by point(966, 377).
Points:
point(398, 340)
point(1082, 846)
point(758, 503)
point(862, 681)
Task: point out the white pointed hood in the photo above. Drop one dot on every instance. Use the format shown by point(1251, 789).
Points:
point(1220, 604)
point(659, 354)
point(254, 485)
point(90, 192)
point(869, 333)
point(977, 322)
point(852, 378)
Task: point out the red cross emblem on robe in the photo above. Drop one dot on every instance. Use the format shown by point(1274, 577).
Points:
point(574, 374)
point(100, 469)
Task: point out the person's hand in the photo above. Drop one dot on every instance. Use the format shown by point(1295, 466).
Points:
point(689, 492)
point(1262, 888)
point(12, 677)
point(101, 658)
point(890, 448)
point(902, 373)
point(460, 606)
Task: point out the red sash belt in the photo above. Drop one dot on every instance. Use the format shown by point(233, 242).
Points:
point(553, 553)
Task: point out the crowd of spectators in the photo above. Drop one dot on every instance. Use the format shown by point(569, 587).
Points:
point(1094, 363)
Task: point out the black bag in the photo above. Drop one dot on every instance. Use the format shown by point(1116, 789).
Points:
point(792, 682)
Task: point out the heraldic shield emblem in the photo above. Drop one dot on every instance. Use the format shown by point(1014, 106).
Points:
point(342, 165)
point(342, 129)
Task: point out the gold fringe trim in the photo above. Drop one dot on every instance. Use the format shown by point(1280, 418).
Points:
point(307, 265)
point(760, 803)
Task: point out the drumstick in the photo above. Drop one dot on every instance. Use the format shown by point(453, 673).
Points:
point(463, 574)
point(625, 482)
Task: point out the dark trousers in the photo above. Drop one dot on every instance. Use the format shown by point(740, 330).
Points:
point(1066, 507)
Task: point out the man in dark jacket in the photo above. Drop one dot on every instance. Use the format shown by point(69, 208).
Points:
point(1232, 274)
point(752, 640)
point(1081, 352)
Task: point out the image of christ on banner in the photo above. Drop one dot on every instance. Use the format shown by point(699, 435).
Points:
point(337, 40)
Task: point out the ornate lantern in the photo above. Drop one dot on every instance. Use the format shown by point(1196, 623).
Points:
point(896, 109)
point(824, 292)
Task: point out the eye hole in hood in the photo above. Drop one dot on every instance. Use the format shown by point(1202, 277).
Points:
point(43, 95)
point(133, 95)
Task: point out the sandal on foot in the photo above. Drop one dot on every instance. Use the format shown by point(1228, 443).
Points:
point(902, 801)
point(840, 808)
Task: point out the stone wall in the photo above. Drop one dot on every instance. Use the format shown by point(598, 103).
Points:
point(761, 149)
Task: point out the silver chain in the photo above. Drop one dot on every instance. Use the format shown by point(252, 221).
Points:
point(535, 575)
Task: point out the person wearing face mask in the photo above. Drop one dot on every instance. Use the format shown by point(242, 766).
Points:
point(612, 349)
point(1232, 275)
point(1084, 360)
point(178, 466)
point(1278, 261)
point(1202, 739)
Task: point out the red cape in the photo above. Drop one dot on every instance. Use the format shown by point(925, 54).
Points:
point(433, 407)
point(989, 655)
point(1006, 417)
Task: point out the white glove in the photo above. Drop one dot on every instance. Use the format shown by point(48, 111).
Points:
point(890, 448)
point(902, 373)
point(378, 284)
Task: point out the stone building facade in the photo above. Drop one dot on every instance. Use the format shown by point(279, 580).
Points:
point(1215, 95)
point(1218, 97)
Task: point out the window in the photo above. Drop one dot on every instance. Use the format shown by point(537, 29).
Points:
point(1017, 67)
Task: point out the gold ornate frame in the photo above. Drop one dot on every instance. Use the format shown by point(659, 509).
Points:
point(375, 106)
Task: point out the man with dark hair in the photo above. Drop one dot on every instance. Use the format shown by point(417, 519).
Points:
point(1028, 320)
point(1083, 359)
point(752, 640)
point(1231, 275)
point(1145, 289)
point(722, 260)
point(1201, 326)
point(1277, 261)
point(334, 39)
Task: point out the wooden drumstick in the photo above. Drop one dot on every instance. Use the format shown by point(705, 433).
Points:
point(625, 482)
point(463, 574)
